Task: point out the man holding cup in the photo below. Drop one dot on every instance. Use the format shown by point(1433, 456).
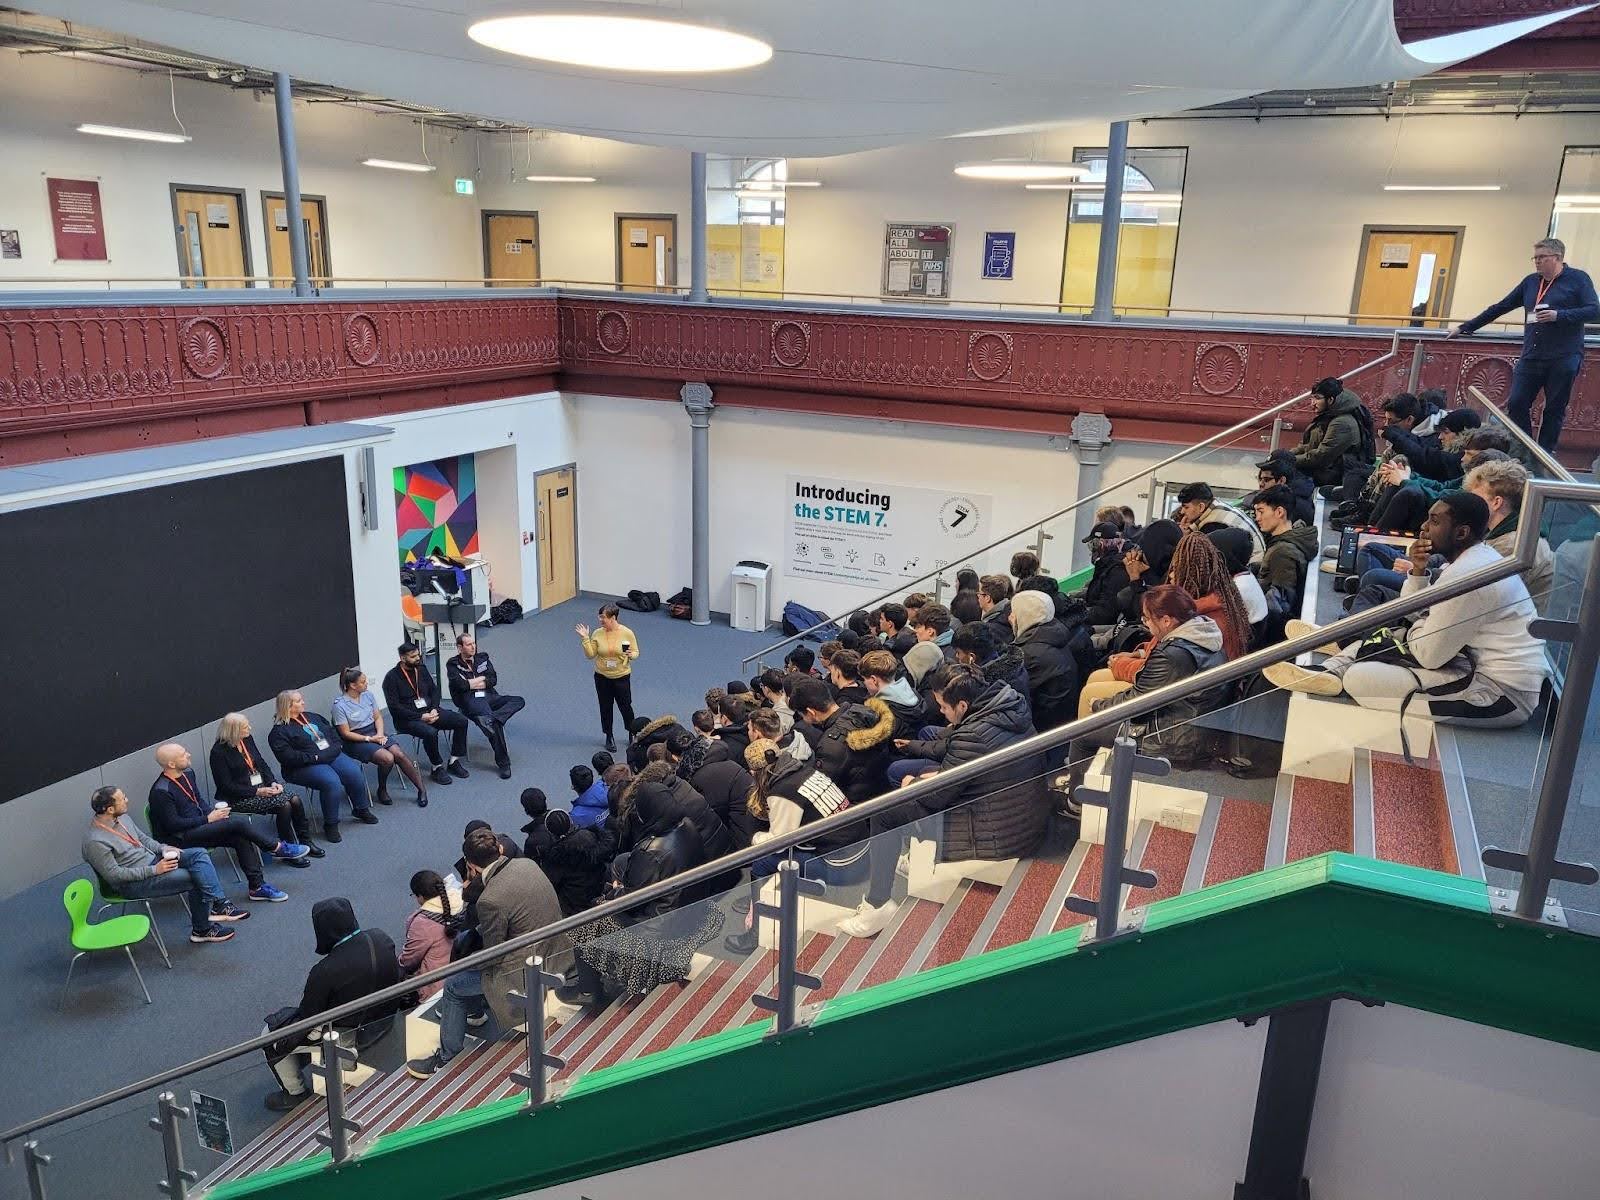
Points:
point(612, 648)
point(135, 866)
point(181, 817)
point(1558, 300)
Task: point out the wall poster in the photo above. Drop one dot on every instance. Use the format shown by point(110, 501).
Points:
point(436, 508)
point(878, 535)
point(999, 252)
point(76, 219)
point(916, 260)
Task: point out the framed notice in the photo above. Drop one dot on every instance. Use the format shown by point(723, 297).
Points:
point(916, 260)
point(211, 1122)
point(76, 219)
point(999, 252)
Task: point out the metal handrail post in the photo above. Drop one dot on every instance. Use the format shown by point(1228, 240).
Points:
point(1126, 761)
point(1540, 865)
point(168, 1113)
point(36, 1161)
point(335, 1058)
point(535, 982)
point(1419, 355)
point(787, 913)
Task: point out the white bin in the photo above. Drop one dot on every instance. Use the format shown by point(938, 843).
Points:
point(751, 583)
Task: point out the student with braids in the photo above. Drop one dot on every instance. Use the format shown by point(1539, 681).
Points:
point(1199, 569)
point(431, 928)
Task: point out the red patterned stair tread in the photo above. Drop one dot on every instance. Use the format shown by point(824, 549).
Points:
point(1167, 854)
point(1410, 817)
point(904, 936)
point(1087, 885)
point(1027, 902)
point(654, 1007)
point(843, 965)
point(1240, 845)
point(690, 1006)
point(608, 1024)
point(963, 925)
point(1321, 818)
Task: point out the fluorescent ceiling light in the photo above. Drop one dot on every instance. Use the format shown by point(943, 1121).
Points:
point(615, 42)
point(559, 178)
point(1083, 185)
point(1020, 169)
point(1149, 199)
point(1577, 208)
point(776, 197)
point(1570, 199)
point(139, 135)
point(1441, 187)
point(389, 164)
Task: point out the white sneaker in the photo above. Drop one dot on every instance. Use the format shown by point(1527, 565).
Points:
point(902, 865)
point(1329, 567)
point(1291, 678)
point(869, 921)
point(1298, 628)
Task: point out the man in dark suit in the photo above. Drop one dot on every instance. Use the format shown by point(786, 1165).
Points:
point(472, 690)
point(412, 695)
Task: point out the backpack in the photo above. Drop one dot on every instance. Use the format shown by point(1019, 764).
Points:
point(638, 601)
point(1369, 436)
point(797, 618)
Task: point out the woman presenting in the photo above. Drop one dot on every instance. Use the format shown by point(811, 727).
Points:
point(612, 648)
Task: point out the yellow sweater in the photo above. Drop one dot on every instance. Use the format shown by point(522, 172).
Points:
point(605, 648)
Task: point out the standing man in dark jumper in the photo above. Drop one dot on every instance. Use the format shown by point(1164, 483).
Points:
point(412, 694)
point(472, 690)
point(1557, 301)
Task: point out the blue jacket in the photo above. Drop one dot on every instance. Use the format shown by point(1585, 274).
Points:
point(590, 808)
point(1570, 293)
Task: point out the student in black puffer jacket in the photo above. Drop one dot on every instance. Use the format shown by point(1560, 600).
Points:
point(1049, 658)
point(575, 861)
point(854, 745)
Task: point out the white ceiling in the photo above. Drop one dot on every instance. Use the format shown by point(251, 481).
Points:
point(846, 75)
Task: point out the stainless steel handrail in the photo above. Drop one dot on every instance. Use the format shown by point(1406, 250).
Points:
point(1521, 435)
point(1010, 538)
point(1539, 492)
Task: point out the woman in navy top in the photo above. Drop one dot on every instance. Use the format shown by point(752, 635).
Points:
point(312, 756)
point(360, 724)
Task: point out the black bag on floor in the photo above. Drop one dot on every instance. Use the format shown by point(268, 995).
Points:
point(507, 612)
point(680, 605)
point(638, 601)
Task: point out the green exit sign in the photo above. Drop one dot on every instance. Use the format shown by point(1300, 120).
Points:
point(464, 187)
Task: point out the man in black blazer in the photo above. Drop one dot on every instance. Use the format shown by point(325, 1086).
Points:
point(472, 690)
point(412, 696)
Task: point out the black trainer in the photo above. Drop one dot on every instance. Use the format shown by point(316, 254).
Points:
point(211, 933)
point(441, 776)
point(458, 769)
point(367, 817)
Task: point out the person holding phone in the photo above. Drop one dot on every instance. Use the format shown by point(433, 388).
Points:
point(612, 648)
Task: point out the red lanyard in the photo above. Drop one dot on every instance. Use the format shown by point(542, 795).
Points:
point(183, 782)
point(411, 679)
point(248, 761)
point(121, 833)
point(1545, 287)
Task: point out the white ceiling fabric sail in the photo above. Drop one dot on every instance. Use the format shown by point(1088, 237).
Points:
point(846, 75)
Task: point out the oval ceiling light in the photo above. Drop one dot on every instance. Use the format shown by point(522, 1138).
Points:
point(614, 41)
point(559, 178)
point(1023, 170)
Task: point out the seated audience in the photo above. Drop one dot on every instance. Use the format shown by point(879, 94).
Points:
point(1047, 657)
point(1501, 485)
point(135, 866)
point(1106, 551)
point(589, 797)
point(844, 673)
point(733, 718)
point(356, 962)
point(1131, 529)
point(1024, 565)
point(994, 599)
point(431, 928)
point(854, 740)
point(179, 816)
point(800, 659)
point(535, 804)
point(653, 732)
point(1198, 568)
point(473, 690)
point(412, 694)
point(1418, 415)
point(508, 848)
point(965, 608)
point(1339, 438)
point(1235, 548)
point(897, 637)
point(999, 814)
point(243, 778)
point(723, 783)
point(714, 836)
point(1437, 456)
point(860, 624)
point(513, 898)
point(786, 795)
point(575, 861)
point(764, 723)
point(914, 602)
point(646, 946)
point(311, 757)
point(1466, 661)
point(999, 657)
point(1198, 511)
point(1278, 470)
point(966, 579)
point(1291, 548)
point(1404, 501)
point(885, 680)
point(360, 723)
point(1146, 564)
point(932, 624)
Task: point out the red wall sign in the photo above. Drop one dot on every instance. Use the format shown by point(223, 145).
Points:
point(76, 219)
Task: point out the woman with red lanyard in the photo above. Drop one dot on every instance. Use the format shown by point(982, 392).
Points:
point(311, 755)
point(243, 777)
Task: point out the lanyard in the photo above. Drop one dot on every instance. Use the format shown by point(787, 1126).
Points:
point(120, 832)
point(183, 782)
point(411, 679)
point(1542, 289)
point(248, 761)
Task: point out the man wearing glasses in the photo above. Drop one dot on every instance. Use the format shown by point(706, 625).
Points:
point(1557, 300)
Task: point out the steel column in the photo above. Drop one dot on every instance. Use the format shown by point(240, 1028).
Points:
point(168, 1113)
point(1105, 274)
point(1418, 357)
point(697, 227)
point(35, 1161)
point(1091, 434)
point(697, 400)
point(790, 888)
point(1126, 761)
point(335, 1058)
point(299, 255)
point(1291, 1065)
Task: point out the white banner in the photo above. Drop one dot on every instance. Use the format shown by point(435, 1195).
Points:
point(877, 535)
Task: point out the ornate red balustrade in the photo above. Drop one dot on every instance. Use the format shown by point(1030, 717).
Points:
point(88, 379)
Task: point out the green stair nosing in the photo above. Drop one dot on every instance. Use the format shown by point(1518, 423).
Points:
point(1371, 930)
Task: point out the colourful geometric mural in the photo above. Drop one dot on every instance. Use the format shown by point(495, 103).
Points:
point(436, 508)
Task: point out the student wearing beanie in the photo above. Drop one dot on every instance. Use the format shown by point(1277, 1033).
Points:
point(1047, 656)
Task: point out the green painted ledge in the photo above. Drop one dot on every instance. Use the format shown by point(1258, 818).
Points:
point(1328, 926)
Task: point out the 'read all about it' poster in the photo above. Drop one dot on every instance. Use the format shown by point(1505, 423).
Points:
point(76, 219)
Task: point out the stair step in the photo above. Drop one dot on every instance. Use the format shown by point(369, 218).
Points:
point(1411, 817)
point(1321, 818)
point(1087, 885)
point(1027, 903)
point(1166, 853)
point(955, 939)
point(1240, 845)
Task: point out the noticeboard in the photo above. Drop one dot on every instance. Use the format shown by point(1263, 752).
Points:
point(916, 260)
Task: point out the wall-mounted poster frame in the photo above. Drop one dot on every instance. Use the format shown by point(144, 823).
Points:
point(916, 259)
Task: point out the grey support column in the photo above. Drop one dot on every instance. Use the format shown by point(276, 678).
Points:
point(1091, 434)
point(696, 398)
point(697, 227)
point(1105, 274)
point(299, 257)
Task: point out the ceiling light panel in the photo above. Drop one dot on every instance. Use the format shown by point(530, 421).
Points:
point(138, 135)
point(611, 41)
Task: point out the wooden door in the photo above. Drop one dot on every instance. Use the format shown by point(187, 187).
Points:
point(557, 500)
point(647, 256)
point(511, 248)
point(314, 220)
point(1405, 276)
point(213, 243)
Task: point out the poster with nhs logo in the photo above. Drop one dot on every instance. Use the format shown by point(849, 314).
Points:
point(878, 535)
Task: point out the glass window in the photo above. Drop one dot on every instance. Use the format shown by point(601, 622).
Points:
point(1575, 219)
point(745, 218)
point(1147, 243)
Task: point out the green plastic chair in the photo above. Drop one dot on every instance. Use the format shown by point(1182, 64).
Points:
point(110, 898)
point(119, 933)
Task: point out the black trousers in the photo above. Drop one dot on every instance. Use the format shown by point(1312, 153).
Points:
point(237, 834)
point(614, 691)
point(415, 726)
point(490, 714)
point(1404, 511)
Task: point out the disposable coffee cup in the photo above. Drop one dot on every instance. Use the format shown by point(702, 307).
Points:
point(170, 855)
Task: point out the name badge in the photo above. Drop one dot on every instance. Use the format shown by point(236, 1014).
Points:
point(480, 694)
point(322, 743)
point(255, 779)
point(420, 702)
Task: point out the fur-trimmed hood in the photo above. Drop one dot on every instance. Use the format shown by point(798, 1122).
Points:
point(866, 737)
point(655, 727)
